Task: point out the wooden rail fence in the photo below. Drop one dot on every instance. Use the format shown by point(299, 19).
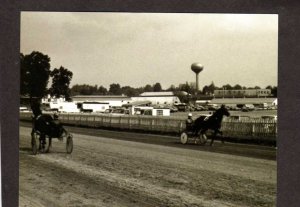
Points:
point(251, 128)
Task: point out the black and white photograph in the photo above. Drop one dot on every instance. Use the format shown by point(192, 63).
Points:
point(141, 109)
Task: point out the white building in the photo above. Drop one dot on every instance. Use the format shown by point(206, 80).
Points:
point(242, 93)
point(158, 98)
point(49, 99)
point(113, 101)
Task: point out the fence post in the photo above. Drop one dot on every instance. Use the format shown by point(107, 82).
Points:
point(94, 121)
point(129, 123)
point(180, 126)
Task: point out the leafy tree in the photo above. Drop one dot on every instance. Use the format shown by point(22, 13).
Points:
point(185, 87)
point(257, 87)
point(269, 87)
point(205, 90)
point(101, 90)
point(148, 88)
point(35, 71)
point(227, 87)
point(115, 89)
point(61, 79)
point(23, 81)
point(83, 89)
point(171, 88)
point(129, 91)
point(274, 91)
point(211, 88)
point(237, 87)
point(157, 87)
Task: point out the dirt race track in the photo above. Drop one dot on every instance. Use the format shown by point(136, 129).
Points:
point(105, 171)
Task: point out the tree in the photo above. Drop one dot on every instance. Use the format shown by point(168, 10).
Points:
point(35, 71)
point(273, 90)
point(171, 88)
point(185, 87)
point(83, 90)
point(101, 90)
point(269, 87)
point(157, 87)
point(227, 87)
point(237, 87)
point(211, 88)
point(115, 89)
point(129, 91)
point(205, 90)
point(61, 79)
point(148, 88)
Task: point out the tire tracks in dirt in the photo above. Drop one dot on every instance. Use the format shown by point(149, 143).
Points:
point(110, 172)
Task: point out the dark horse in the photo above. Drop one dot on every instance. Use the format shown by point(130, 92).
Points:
point(45, 125)
point(212, 122)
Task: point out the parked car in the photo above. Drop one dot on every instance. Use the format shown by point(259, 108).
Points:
point(200, 108)
point(182, 107)
point(212, 107)
point(173, 109)
point(24, 109)
point(107, 111)
point(248, 107)
point(270, 117)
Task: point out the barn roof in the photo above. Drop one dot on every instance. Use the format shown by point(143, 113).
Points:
point(161, 93)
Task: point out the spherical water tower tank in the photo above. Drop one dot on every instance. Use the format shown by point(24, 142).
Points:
point(197, 68)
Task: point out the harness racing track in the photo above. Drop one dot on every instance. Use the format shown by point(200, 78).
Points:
point(110, 169)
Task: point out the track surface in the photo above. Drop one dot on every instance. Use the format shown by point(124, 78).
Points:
point(130, 169)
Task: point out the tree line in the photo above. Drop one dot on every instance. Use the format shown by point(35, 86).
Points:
point(36, 72)
point(116, 89)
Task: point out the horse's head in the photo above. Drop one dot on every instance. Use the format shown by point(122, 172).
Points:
point(224, 111)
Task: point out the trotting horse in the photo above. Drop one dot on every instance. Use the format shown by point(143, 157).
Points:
point(213, 122)
point(45, 125)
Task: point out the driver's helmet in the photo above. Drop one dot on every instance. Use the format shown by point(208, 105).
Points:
point(223, 106)
point(190, 115)
point(55, 116)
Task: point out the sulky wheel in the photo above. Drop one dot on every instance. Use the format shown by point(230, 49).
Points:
point(184, 138)
point(202, 139)
point(34, 138)
point(69, 144)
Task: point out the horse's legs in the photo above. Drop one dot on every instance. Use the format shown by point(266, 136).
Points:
point(42, 142)
point(222, 138)
point(213, 138)
point(49, 144)
point(221, 133)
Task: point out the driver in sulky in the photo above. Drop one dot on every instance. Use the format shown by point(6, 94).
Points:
point(189, 122)
point(57, 126)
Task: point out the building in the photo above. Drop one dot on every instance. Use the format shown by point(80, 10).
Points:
point(233, 102)
point(113, 101)
point(47, 100)
point(158, 98)
point(242, 93)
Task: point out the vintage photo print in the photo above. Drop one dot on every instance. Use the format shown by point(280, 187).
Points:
point(148, 109)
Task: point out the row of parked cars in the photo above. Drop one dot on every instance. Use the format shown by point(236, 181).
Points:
point(211, 107)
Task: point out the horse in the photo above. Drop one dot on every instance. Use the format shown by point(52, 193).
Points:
point(45, 125)
point(212, 122)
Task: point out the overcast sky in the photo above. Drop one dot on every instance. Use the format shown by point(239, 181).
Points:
point(136, 49)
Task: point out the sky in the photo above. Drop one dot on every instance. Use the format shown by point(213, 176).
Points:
point(135, 49)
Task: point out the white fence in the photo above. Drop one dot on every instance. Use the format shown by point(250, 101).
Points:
point(252, 128)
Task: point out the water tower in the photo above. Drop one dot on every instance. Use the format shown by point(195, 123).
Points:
point(197, 68)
